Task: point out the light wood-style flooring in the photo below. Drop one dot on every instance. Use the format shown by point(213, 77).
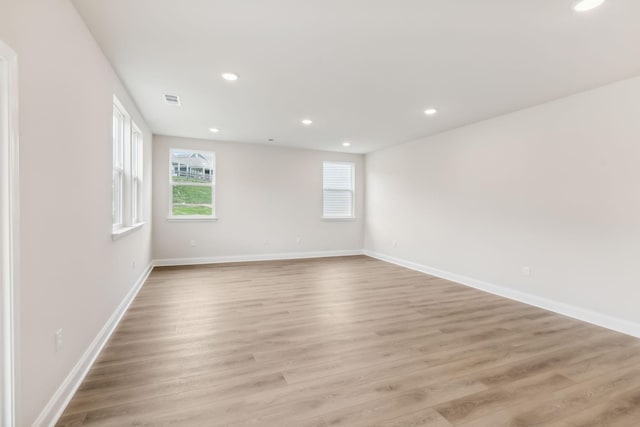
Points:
point(351, 342)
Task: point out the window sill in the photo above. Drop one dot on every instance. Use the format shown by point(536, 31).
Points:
point(330, 219)
point(125, 231)
point(191, 218)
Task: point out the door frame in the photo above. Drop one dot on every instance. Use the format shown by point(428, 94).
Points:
point(9, 236)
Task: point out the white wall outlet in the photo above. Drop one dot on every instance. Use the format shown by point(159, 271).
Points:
point(58, 340)
point(192, 243)
point(133, 264)
point(526, 271)
point(266, 243)
point(298, 239)
point(395, 243)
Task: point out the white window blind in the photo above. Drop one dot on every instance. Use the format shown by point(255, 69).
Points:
point(338, 189)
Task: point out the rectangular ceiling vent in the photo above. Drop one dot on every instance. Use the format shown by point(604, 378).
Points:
point(172, 100)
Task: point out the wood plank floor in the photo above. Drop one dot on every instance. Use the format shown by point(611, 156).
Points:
point(352, 342)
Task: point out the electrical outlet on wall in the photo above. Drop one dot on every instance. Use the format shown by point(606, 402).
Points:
point(298, 240)
point(133, 264)
point(192, 243)
point(58, 342)
point(395, 243)
point(526, 271)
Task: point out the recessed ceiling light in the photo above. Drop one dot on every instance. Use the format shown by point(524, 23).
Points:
point(214, 130)
point(231, 77)
point(346, 144)
point(430, 111)
point(306, 122)
point(584, 5)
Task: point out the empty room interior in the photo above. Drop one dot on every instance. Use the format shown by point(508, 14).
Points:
point(320, 213)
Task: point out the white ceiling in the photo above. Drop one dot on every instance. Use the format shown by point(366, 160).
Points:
point(362, 70)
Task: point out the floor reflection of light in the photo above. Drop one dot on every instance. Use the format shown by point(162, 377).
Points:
point(335, 298)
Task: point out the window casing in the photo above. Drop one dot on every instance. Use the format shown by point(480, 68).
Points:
point(127, 185)
point(338, 190)
point(118, 166)
point(136, 175)
point(193, 179)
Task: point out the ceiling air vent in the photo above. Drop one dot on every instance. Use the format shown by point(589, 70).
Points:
point(172, 100)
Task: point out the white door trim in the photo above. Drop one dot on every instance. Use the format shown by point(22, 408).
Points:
point(9, 234)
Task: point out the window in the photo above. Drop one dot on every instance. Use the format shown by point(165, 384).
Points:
point(193, 180)
point(118, 165)
point(338, 188)
point(127, 186)
point(136, 174)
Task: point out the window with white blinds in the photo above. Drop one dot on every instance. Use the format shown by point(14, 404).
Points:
point(338, 189)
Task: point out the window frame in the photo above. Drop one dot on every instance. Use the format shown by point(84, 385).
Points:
point(352, 215)
point(124, 153)
point(213, 216)
point(118, 165)
point(137, 174)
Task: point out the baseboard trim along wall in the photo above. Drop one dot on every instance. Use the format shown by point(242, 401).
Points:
point(257, 257)
point(589, 316)
point(52, 412)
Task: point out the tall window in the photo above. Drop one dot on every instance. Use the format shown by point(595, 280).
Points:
point(127, 184)
point(338, 189)
point(193, 180)
point(136, 174)
point(118, 165)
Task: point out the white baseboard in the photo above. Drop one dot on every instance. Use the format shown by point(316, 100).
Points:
point(256, 257)
point(589, 316)
point(52, 412)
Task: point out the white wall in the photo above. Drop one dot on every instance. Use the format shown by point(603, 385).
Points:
point(554, 187)
point(266, 197)
point(73, 274)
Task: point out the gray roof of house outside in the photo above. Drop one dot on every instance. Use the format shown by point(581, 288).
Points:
point(194, 160)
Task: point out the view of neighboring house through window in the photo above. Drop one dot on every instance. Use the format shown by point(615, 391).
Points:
point(338, 190)
point(193, 180)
